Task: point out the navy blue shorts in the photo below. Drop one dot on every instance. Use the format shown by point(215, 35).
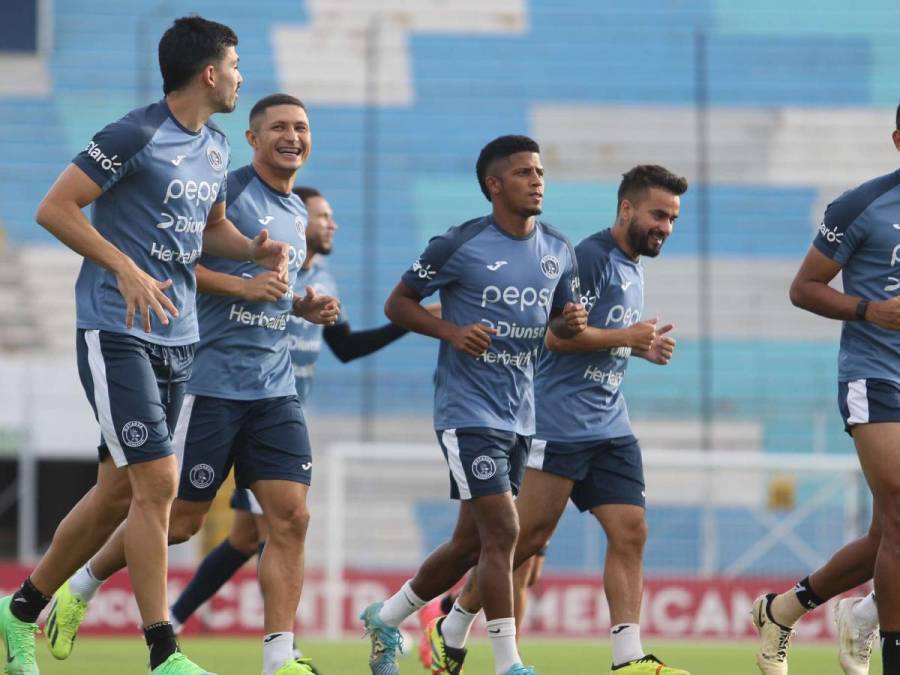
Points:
point(608, 471)
point(136, 389)
point(483, 461)
point(868, 401)
point(245, 500)
point(265, 439)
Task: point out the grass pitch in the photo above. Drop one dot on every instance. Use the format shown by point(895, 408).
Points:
point(240, 656)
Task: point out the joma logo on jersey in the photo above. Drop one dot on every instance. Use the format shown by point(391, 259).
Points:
point(191, 191)
point(512, 295)
point(106, 163)
point(831, 236)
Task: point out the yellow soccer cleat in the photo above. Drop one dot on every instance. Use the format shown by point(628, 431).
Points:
point(647, 665)
point(301, 666)
point(66, 614)
point(444, 659)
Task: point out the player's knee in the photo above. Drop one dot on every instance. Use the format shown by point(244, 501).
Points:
point(629, 536)
point(501, 537)
point(290, 523)
point(184, 526)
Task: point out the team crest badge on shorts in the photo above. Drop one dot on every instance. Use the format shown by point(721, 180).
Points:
point(484, 467)
point(201, 476)
point(134, 434)
point(215, 159)
point(550, 266)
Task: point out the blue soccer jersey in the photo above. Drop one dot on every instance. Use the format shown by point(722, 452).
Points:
point(577, 394)
point(860, 232)
point(243, 351)
point(486, 275)
point(159, 182)
point(304, 337)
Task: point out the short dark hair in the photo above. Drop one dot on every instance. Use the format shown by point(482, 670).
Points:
point(305, 192)
point(189, 44)
point(645, 176)
point(501, 148)
point(272, 100)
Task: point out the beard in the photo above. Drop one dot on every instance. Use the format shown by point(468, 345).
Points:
point(640, 240)
point(530, 211)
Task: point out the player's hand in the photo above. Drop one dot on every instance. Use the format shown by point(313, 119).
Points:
point(884, 313)
point(575, 316)
point(265, 287)
point(641, 335)
point(271, 254)
point(473, 339)
point(663, 347)
point(320, 309)
point(434, 309)
point(143, 293)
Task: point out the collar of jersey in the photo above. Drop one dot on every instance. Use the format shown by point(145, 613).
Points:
point(283, 195)
point(178, 124)
point(506, 234)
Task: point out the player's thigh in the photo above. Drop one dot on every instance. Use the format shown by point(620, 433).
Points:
point(186, 519)
point(274, 446)
point(204, 440)
point(126, 381)
point(284, 505)
point(540, 503)
point(878, 447)
point(625, 525)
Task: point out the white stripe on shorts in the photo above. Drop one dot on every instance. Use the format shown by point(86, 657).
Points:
point(255, 506)
point(857, 402)
point(536, 454)
point(451, 443)
point(101, 398)
point(181, 428)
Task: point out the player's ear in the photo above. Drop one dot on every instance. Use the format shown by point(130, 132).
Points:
point(208, 75)
point(250, 135)
point(494, 184)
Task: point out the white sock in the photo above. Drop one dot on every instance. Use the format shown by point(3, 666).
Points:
point(84, 584)
point(278, 648)
point(502, 634)
point(626, 643)
point(400, 605)
point(456, 625)
point(176, 624)
point(866, 613)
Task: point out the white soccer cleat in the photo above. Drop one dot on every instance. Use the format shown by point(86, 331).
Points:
point(774, 638)
point(854, 643)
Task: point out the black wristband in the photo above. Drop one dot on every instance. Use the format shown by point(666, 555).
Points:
point(861, 308)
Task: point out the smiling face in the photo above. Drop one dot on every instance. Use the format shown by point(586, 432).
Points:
point(281, 139)
point(649, 220)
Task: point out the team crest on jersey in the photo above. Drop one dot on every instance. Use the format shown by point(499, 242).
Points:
point(301, 227)
point(215, 159)
point(550, 266)
point(134, 434)
point(484, 467)
point(201, 476)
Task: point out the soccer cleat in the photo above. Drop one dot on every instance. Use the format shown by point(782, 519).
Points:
point(427, 614)
point(18, 638)
point(179, 664)
point(444, 659)
point(299, 666)
point(854, 645)
point(519, 669)
point(647, 665)
point(386, 642)
point(66, 614)
point(775, 638)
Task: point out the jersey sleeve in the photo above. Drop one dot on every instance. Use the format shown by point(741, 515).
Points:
point(435, 268)
point(841, 231)
point(569, 287)
point(110, 155)
point(594, 272)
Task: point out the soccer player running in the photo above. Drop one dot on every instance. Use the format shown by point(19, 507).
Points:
point(304, 341)
point(501, 278)
point(241, 408)
point(858, 237)
point(156, 181)
point(584, 448)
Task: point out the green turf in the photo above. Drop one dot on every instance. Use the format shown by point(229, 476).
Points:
point(242, 657)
